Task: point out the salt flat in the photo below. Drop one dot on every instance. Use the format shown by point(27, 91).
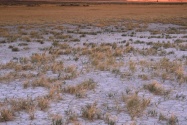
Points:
point(96, 64)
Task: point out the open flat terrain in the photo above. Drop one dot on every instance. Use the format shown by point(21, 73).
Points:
point(102, 14)
point(105, 64)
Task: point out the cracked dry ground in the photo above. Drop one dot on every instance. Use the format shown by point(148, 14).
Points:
point(128, 73)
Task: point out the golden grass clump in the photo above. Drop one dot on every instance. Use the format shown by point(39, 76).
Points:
point(129, 49)
point(166, 65)
point(12, 37)
point(132, 66)
point(110, 119)
point(70, 69)
point(22, 104)
point(43, 103)
point(91, 112)
point(54, 92)
point(168, 69)
point(9, 65)
point(71, 72)
point(57, 120)
point(41, 82)
point(31, 114)
point(26, 84)
point(172, 120)
point(16, 66)
point(103, 57)
point(36, 35)
point(64, 46)
point(4, 32)
point(41, 58)
point(118, 52)
point(162, 117)
point(135, 105)
point(180, 75)
point(155, 88)
point(81, 89)
point(26, 38)
point(55, 67)
point(143, 77)
point(8, 77)
point(6, 115)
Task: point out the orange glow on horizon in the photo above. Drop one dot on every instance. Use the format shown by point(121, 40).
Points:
point(158, 0)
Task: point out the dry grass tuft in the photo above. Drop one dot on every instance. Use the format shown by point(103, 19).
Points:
point(155, 88)
point(72, 115)
point(91, 112)
point(103, 57)
point(22, 104)
point(172, 120)
point(57, 120)
point(26, 84)
point(54, 92)
point(162, 117)
point(41, 82)
point(136, 105)
point(81, 89)
point(31, 114)
point(70, 69)
point(143, 77)
point(110, 120)
point(180, 75)
point(132, 66)
point(57, 67)
point(43, 103)
point(41, 58)
point(17, 66)
point(6, 115)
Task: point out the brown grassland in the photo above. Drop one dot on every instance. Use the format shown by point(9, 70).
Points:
point(102, 14)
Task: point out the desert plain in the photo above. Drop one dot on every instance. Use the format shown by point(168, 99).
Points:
point(93, 64)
